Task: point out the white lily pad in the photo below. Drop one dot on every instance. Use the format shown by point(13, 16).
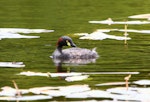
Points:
point(100, 35)
point(109, 22)
point(26, 98)
point(135, 31)
point(142, 82)
point(64, 74)
point(60, 91)
point(122, 90)
point(76, 78)
point(12, 64)
point(29, 73)
point(90, 94)
point(140, 16)
point(111, 83)
point(14, 32)
point(9, 91)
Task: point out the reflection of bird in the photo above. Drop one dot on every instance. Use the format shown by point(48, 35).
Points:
point(72, 53)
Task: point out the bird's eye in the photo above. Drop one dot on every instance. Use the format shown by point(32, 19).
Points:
point(68, 43)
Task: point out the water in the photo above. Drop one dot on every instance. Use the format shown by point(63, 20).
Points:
point(67, 18)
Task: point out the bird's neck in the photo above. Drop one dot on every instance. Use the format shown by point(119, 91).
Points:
point(59, 48)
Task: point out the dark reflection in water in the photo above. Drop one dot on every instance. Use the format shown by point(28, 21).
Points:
point(71, 62)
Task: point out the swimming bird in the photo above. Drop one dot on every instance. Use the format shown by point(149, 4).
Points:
point(74, 52)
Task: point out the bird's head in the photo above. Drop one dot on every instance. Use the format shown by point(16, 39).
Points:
point(65, 41)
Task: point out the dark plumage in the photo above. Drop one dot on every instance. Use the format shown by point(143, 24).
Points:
point(72, 53)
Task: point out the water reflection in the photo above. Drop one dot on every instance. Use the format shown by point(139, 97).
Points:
point(70, 62)
point(75, 62)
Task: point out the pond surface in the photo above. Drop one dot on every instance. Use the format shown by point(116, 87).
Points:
point(67, 17)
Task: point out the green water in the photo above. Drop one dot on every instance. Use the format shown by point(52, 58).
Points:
point(67, 17)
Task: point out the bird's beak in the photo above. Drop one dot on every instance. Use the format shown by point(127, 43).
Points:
point(70, 44)
point(73, 45)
